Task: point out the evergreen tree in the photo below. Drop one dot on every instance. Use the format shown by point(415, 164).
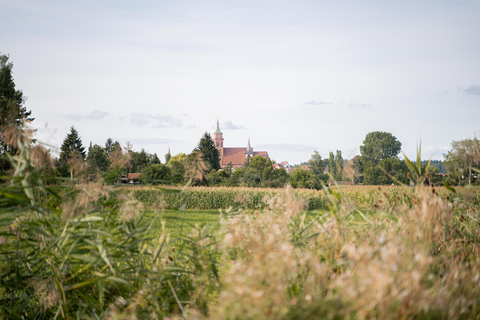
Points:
point(141, 160)
point(12, 109)
point(71, 145)
point(109, 145)
point(210, 154)
point(97, 158)
point(167, 157)
point(155, 160)
point(12, 112)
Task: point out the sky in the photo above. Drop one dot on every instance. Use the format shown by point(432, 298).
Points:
point(293, 76)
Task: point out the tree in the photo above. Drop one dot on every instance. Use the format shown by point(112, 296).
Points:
point(209, 152)
point(167, 157)
point(97, 158)
point(388, 171)
point(177, 167)
point(463, 157)
point(13, 113)
point(110, 145)
point(156, 160)
point(351, 170)
point(338, 165)
point(72, 145)
point(156, 173)
point(300, 178)
point(141, 160)
point(315, 164)
point(332, 168)
point(12, 109)
point(258, 163)
point(378, 146)
point(72, 153)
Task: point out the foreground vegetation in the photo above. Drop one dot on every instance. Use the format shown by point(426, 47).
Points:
point(86, 250)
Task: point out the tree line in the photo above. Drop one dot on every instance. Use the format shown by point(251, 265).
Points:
point(377, 164)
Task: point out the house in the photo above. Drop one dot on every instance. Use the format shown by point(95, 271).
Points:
point(282, 165)
point(132, 178)
point(235, 156)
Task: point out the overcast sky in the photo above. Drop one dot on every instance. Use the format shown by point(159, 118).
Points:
point(294, 76)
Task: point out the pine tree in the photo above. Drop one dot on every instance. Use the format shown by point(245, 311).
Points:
point(97, 158)
point(12, 109)
point(155, 159)
point(12, 113)
point(210, 154)
point(167, 158)
point(71, 145)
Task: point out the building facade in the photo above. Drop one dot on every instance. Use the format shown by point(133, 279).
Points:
point(236, 156)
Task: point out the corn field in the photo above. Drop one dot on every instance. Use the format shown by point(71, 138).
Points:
point(365, 197)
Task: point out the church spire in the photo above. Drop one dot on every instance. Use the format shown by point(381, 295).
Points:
point(249, 149)
point(218, 128)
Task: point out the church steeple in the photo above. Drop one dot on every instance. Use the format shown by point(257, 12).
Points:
point(218, 128)
point(218, 141)
point(249, 152)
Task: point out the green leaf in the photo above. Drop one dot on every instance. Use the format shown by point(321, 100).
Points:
point(448, 187)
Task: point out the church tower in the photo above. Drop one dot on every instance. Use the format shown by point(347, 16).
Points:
point(218, 141)
point(249, 152)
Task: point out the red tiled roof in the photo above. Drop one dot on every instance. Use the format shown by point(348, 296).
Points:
point(261, 153)
point(134, 176)
point(234, 155)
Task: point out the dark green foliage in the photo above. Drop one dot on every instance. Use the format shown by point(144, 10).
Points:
point(97, 158)
point(300, 178)
point(12, 109)
point(378, 146)
point(209, 153)
point(167, 157)
point(387, 172)
point(110, 146)
point(156, 173)
point(332, 168)
point(438, 164)
point(72, 145)
point(155, 159)
point(13, 112)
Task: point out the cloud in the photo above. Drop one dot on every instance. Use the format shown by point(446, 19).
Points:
point(140, 119)
point(434, 151)
point(94, 115)
point(163, 121)
point(97, 114)
point(158, 120)
point(317, 103)
point(227, 124)
point(74, 117)
point(191, 126)
point(355, 105)
point(472, 90)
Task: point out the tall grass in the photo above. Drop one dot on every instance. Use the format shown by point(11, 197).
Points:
point(81, 251)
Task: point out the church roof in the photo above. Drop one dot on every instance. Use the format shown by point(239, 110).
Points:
point(249, 149)
point(218, 128)
point(234, 155)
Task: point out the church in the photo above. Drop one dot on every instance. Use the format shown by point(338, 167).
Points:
point(236, 156)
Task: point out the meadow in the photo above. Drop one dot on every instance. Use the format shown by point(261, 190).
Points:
point(87, 250)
